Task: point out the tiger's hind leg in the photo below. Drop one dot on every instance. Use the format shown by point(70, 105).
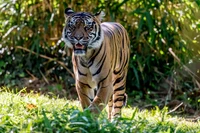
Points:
point(110, 107)
point(119, 95)
point(118, 101)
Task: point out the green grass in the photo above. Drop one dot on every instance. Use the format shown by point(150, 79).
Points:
point(24, 113)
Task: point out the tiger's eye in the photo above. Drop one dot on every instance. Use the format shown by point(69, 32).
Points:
point(89, 28)
point(71, 27)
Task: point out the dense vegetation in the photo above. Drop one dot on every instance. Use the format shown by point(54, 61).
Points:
point(36, 113)
point(164, 46)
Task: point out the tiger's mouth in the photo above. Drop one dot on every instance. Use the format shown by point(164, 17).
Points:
point(79, 49)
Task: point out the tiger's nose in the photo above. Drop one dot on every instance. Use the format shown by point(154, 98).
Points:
point(78, 37)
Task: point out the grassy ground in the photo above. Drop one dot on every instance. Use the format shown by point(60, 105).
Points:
point(30, 112)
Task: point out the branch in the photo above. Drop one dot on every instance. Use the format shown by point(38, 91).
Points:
point(46, 57)
point(173, 110)
point(185, 67)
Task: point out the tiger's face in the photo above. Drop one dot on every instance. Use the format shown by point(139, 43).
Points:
point(82, 31)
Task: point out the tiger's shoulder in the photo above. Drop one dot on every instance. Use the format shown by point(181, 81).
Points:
point(112, 27)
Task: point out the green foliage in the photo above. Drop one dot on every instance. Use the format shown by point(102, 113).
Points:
point(22, 112)
point(158, 27)
point(29, 30)
point(31, 46)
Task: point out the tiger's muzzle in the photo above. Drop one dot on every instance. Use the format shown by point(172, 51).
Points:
point(79, 49)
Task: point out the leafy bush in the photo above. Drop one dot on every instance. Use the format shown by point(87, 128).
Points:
point(30, 42)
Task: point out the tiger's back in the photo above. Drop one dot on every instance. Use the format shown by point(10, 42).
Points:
point(116, 36)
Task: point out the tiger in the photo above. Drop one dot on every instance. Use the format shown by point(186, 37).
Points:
point(100, 58)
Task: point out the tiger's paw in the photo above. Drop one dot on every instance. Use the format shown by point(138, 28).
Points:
point(115, 118)
point(94, 109)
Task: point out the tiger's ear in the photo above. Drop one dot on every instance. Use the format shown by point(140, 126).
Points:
point(68, 12)
point(100, 15)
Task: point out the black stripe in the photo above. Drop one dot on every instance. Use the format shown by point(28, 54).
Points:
point(126, 62)
point(123, 42)
point(118, 80)
point(120, 54)
point(85, 84)
point(99, 36)
point(103, 58)
point(109, 33)
point(122, 66)
point(116, 114)
point(118, 106)
point(117, 72)
point(91, 61)
point(119, 99)
point(123, 95)
point(119, 88)
point(82, 64)
point(92, 34)
point(99, 69)
point(91, 99)
point(80, 73)
point(103, 79)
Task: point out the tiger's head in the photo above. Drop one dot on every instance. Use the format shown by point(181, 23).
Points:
point(82, 31)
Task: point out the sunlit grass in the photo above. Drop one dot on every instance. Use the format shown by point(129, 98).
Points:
point(28, 112)
point(158, 120)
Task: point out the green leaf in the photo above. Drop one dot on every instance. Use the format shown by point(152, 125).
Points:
point(149, 21)
point(199, 100)
point(137, 77)
point(161, 52)
point(2, 64)
point(138, 11)
point(140, 26)
point(198, 25)
point(22, 75)
point(47, 122)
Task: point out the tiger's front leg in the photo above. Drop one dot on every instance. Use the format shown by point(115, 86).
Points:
point(104, 93)
point(85, 94)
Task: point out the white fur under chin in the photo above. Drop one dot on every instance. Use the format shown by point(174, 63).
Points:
point(79, 54)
